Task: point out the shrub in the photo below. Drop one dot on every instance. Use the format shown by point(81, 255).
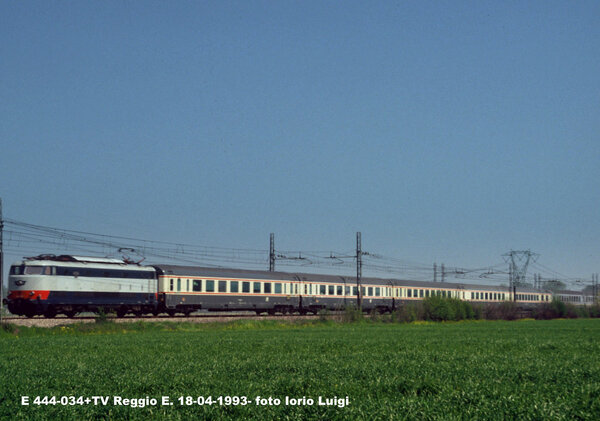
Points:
point(408, 313)
point(103, 316)
point(478, 312)
point(438, 309)
point(508, 310)
point(351, 314)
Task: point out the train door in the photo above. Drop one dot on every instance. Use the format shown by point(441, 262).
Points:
point(391, 299)
point(298, 291)
point(346, 291)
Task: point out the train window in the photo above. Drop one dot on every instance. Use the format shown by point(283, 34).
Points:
point(331, 290)
point(197, 285)
point(187, 285)
point(409, 293)
point(210, 286)
point(305, 289)
point(370, 291)
point(347, 290)
point(256, 288)
point(234, 286)
point(33, 270)
point(246, 287)
point(363, 291)
point(354, 291)
point(268, 287)
point(377, 292)
point(421, 293)
point(222, 286)
point(340, 290)
point(171, 284)
point(277, 288)
point(178, 284)
point(15, 270)
point(322, 290)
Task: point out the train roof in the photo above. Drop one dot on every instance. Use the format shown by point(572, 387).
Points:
point(180, 270)
point(569, 292)
point(70, 260)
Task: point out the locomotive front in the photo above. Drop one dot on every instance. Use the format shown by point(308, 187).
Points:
point(29, 285)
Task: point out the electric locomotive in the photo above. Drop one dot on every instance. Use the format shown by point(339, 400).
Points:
point(49, 285)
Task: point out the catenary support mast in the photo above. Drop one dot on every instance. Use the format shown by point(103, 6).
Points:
point(358, 271)
point(1, 264)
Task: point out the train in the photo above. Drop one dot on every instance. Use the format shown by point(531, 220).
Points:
point(49, 285)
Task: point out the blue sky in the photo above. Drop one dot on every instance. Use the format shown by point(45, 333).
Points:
point(443, 131)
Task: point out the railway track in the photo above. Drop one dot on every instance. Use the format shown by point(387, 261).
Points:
point(193, 318)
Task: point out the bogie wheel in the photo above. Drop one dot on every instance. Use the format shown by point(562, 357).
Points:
point(70, 314)
point(50, 313)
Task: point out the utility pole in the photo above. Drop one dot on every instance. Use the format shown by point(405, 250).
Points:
point(272, 253)
point(434, 272)
point(443, 273)
point(1, 264)
point(359, 254)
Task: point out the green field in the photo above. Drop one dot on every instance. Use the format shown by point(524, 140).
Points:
point(469, 370)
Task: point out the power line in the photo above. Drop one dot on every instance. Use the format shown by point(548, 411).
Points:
point(22, 237)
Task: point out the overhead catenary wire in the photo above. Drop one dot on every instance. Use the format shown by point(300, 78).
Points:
point(27, 238)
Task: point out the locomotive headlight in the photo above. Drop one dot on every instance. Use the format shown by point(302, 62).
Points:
point(19, 283)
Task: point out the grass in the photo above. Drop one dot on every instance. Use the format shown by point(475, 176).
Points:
point(466, 370)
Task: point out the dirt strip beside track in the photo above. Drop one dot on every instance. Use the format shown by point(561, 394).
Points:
point(61, 321)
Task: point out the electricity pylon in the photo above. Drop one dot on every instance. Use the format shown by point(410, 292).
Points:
point(518, 262)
